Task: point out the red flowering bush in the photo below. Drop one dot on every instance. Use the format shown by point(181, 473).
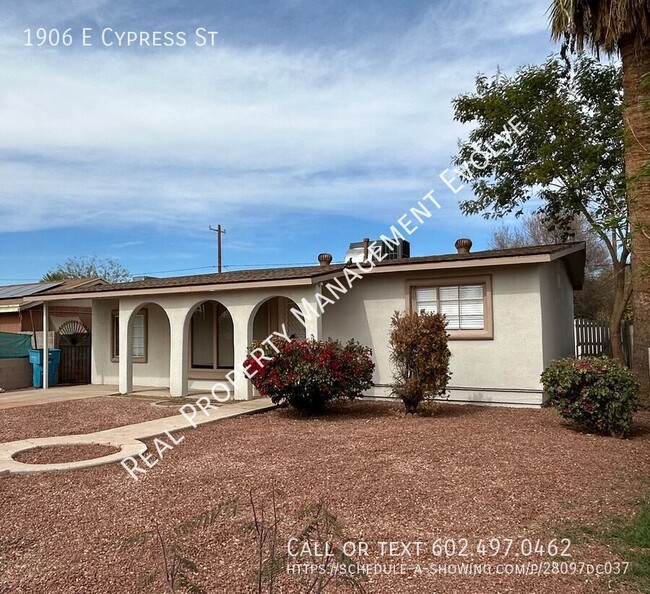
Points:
point(599, 394)
point(307, 374)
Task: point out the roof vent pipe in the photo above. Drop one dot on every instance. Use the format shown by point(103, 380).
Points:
point(324, 259)
point(463, 245)
point(366, 248)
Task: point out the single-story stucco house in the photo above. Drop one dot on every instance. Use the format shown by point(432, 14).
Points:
point(510, 312)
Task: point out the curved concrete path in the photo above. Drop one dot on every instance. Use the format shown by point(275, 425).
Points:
point(126, 438)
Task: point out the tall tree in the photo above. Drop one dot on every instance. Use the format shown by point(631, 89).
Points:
point(623, 27)
point(89, 267)
point(596, 300)
point(567, 155)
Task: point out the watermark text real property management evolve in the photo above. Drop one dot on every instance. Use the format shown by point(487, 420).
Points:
point(480, 159)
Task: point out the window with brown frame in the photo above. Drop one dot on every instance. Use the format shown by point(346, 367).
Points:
point(465, 302)
point(140, 331)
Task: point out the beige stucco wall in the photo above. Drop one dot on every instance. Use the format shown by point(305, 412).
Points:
point(504, 369)
point(155, 372)
point(532, 313)
point(557, 312)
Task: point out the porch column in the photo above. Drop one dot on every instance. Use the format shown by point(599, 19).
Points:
point(126, 349)
point(46, 351)
point(241, 317)
point(314, 323)
point(178, 353)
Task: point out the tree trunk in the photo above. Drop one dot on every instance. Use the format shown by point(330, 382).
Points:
point(616, 317)
point(636, 64)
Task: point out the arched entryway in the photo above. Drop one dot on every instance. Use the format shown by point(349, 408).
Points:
point(211, 339)
point(274, 314)
point(150, 345)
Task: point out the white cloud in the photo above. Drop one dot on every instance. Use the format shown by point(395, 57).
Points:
point(165, 137)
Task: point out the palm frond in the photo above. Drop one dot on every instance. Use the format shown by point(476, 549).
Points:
point(136, 539)
point(180, 557)
point(600, 24)
point(150, 578)
point(207, 518)
point(182, 581)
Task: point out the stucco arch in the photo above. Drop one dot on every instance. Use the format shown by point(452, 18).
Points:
point(151, 367)
point(282, 315)
point(187, 328)
point(191, 308)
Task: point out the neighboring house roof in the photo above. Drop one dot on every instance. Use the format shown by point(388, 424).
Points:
point(18, 291)
point(12, 297)
point(573, 255)
point(75, 284)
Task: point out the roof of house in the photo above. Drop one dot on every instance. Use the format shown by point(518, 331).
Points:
point(12, 296)
point(572, 253)
point(72, 285)
point(18, 291)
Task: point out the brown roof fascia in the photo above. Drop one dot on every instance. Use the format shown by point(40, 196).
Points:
point(209, 288)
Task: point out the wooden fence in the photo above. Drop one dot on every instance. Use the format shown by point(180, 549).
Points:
point(592, 338)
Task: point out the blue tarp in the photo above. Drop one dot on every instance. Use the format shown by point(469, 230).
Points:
point(14, 346)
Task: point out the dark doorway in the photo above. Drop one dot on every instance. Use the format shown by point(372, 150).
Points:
point(75, 344)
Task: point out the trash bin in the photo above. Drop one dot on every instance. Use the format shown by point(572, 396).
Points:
point(36, 359)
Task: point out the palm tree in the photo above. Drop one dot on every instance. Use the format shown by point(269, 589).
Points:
point(623, 27)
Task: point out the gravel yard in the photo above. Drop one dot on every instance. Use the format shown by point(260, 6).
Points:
point(464, 472)
point(78, 416)
point(66, 453)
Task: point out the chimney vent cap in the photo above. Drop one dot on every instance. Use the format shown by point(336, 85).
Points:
point(324, 259)
point(463, 245)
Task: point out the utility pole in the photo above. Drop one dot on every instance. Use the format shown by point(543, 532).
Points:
point(219, 231)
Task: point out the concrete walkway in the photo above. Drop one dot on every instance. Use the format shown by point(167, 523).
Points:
point(36, 396)
point(126, 438)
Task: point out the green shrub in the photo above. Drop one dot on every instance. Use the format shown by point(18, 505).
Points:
point(599, 394)
point(420, 357)
point(307, 374)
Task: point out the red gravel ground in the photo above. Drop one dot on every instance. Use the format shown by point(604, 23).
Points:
point(78, 416)
point(465, 472)
point(66, 453)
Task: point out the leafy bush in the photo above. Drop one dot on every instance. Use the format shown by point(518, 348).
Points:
point(307, 374)
point(599, 394)
point(420, 357)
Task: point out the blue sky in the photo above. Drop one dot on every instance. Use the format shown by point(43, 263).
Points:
point(307, 126)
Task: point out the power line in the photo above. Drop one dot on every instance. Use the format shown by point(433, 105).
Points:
point(213, 267)
point(176, 270)
point(226, 266)
point(272, 264)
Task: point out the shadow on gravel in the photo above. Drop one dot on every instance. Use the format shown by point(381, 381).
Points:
point(373, 409)
point(640, 430)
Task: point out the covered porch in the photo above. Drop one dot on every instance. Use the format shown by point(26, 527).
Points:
point(191, 340)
